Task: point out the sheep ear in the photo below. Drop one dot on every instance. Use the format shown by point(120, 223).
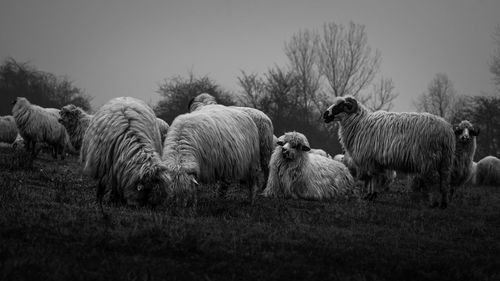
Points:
point(190, 103)
point(350, 105)
point(305, 148)
point(475, 132)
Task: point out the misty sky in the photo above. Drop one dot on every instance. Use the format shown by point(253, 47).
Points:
point(116, 48)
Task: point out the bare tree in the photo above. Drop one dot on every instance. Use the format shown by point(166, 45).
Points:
point(345, 58)
point(382, 95)
point(439, 98)
point(253, 88)
point(495, 62)
point(301, 51)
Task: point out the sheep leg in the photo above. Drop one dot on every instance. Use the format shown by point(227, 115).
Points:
point(223, 187)
point(444, 189)
point(253, 188)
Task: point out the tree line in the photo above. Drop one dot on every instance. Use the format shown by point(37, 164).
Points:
point(335, 60)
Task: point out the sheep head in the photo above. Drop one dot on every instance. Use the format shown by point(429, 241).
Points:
point(70, 115)
point(465, 131)
point(292, 144)
point(200, 100)
point(150, 189)
point(341, 107)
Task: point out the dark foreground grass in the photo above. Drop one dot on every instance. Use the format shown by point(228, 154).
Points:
point(51, 229)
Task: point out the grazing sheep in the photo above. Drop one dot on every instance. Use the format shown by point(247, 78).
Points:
point(37, 124)
point(296, 173)
point(76, 121)
point(262, 121)
point(488, 171)
point(8, 129)
point(163, 126)
point(209, 145)
point(407, 142)
point(122, 150)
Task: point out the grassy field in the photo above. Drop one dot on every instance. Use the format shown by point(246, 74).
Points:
point(51, 229)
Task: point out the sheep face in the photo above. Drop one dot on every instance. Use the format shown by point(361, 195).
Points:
point(148, 191)
point(465, 131)
point(341, 107)
point(69, 116)
point(292, 144)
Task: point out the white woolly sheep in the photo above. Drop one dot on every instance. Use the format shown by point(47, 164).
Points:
point(296, 173)
point(408, 142)
point(163, 126)
point(76, 122)
point(465, 148)
point(214, 144)
point(262, 121)
point(488, 171)
point(37, 124)
point(8, 129)
point(122, 150)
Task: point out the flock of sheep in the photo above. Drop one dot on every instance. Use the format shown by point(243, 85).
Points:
point(138, 159)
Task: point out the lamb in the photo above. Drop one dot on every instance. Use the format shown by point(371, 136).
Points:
point(38, 124)
point(163, 126)
point(408, 142)
point(261, 120)
point(488, 171)
point(122, 149)
point(76, 122)
point(8, 129)
point(209, 145)
point(297, 174)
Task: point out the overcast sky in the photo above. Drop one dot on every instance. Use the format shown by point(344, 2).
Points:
point(116, 48)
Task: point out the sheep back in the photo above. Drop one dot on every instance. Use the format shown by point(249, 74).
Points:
point(216, 143)
point(121, 148)
point(8, 129)
point(488, 171)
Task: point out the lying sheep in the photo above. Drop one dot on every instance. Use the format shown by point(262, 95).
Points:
point(262, 121)
point(122, 149)
point(76, 121)
point(296, 173)
point(488, 171)
point(8, 129)
point(209, 145)
point(408, 142)
point(163, 126)
point(37, 124)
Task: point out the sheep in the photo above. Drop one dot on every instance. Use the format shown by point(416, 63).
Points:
point(209, 145)
point(261, 120)
point(386, 178)
point(38, 124)
point(463, 164)
point(488, 171)
point(121, 149)
point(297, 174)
point(76, 121)
point(407, 142)
point(8, 129)
point(163, 126)
point(462, 168)
point(318, 151)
